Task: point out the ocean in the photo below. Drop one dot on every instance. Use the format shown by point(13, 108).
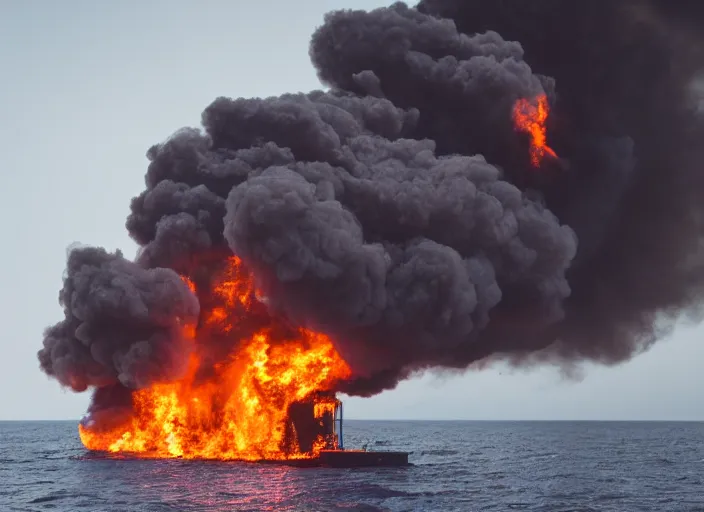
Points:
point(457, 466)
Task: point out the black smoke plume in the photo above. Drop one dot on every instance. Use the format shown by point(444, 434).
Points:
point(399, 212)
point(124, 323)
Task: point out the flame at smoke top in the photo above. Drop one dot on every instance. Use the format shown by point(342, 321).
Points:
point(530, 116)
point(342, 240)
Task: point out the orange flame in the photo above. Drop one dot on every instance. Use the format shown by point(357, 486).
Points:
point(530, 117)
point(241, 411)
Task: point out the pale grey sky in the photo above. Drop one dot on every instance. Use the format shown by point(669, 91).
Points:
point(88, 86)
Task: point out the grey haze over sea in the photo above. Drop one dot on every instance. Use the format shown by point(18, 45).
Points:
point(458, 466)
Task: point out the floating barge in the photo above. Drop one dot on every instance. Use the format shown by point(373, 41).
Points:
point(340, 458)
point(329, 424)
point(361, 459)
point(313, 438)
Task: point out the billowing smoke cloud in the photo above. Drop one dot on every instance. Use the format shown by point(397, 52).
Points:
point(124, 324)
point(399, 212)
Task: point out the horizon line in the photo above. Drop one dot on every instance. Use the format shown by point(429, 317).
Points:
point(446, 420)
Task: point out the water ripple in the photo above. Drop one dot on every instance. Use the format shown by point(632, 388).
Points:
point(458, 466)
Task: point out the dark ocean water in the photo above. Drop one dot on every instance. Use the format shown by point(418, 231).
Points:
point(462, 466)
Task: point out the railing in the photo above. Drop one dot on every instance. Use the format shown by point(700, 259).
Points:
point(338, 425)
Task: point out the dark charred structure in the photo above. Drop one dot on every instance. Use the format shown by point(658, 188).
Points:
point(304, 427)
point(398, 211)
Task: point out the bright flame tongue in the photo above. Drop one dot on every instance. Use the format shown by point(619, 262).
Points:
point(241, 411)
point(530, 116)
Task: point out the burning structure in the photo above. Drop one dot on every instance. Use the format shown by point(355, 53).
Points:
point(482, 181)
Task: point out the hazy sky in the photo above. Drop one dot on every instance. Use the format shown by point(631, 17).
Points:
point(88, 86)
